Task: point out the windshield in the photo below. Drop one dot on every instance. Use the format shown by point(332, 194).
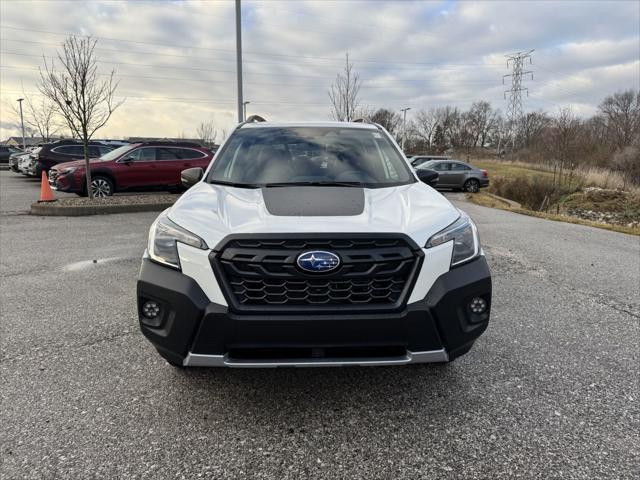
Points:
point(310, 155)
point(113, 154)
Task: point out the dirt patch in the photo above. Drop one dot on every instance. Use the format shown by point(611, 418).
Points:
point(602, 205)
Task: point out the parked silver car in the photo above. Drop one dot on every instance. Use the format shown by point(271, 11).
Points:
point(455, 174)
point(418, 160)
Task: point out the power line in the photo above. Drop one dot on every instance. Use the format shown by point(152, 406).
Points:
point(189, 47)
point(266, 62)
point(206, 80)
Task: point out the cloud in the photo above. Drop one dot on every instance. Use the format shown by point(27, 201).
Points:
point(176, 61)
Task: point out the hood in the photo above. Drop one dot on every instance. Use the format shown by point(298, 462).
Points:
point(213, 211)
point(75, 163)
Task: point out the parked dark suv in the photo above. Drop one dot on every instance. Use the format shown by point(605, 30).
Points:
point(6, 151)
point(65, 151)
point(138, 166)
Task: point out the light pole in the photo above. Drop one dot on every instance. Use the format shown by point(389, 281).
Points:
point(239, 58)
point(404, 125)
point(244, 110)
point(20, 100)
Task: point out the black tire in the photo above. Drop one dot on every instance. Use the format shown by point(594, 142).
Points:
point(102, 186)
point(472, 186)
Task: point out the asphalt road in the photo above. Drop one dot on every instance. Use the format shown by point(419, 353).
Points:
point(550, 390)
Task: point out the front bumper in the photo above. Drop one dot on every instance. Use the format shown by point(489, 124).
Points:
point(63, 182)
point(197, 332)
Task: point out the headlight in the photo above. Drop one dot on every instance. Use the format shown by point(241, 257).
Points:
point(466, 243)
point(69, 169)
point(163, 238)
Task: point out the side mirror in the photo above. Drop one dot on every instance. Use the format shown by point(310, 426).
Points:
point(430, 177)
point(127, 159)
point(191, 176)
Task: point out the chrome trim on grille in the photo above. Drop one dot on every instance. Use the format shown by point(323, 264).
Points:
point(199, 360)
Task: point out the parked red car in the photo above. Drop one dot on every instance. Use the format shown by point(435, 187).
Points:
point(138, 166)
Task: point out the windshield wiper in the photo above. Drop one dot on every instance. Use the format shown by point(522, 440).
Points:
point(314, 184)
point(234, 184)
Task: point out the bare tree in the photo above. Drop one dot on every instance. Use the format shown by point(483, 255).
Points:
point(85, 101)
point(447, 119)
point(563, 143)
point(481, 120)
point(207, 133)
point(621, 112)
point(344, 93)
point(425, 124)
point(40, 117)
point(627, 161)
point(388, 119)
point(532, 125)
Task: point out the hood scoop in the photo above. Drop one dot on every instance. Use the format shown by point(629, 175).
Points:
point(314, 201)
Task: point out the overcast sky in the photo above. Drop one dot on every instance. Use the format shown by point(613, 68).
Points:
point(176, 59)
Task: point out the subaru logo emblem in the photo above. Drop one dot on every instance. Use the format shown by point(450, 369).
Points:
point(318, 261)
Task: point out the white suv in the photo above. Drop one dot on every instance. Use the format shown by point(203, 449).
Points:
point(311, 244)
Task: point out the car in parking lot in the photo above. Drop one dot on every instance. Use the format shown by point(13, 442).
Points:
point(14, 159)
point(417, 160)
point(64, 151)
point(137, 166)
point(454, 174)
point(27, 162)
point(311, 244)
point(6, 151)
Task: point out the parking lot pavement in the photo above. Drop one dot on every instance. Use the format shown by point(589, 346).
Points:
point(550, 390)
point(18, 192)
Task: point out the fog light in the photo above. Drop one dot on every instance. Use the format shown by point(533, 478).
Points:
point(478, 305)
point(151, 311)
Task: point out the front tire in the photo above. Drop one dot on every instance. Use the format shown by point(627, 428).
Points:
point(101, 186)
point(472, 186)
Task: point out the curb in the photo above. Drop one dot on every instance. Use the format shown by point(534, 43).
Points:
point(512, 203)
point(51, 209)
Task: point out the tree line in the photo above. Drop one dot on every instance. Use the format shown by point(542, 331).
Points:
point(610, 138)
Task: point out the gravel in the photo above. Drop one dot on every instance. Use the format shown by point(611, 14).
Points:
point(117, 200)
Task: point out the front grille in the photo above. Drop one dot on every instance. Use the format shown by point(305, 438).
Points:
point(261, 274)
point(53, 175)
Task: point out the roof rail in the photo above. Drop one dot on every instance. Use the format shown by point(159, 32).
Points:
point(255, 118)
point(251, 119)
point(366, 120)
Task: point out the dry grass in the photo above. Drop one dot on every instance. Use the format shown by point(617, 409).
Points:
point(498, 168)
point(605, 178)
point(587, 176)
point(488, 201)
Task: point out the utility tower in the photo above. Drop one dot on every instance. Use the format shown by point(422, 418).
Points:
point(516, 61)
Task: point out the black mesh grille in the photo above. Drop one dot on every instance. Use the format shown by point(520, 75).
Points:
point(262, 274)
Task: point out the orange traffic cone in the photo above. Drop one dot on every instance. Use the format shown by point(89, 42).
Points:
point(46, 195)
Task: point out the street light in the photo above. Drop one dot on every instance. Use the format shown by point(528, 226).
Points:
point(244, 109)
point(20, 100)
point(404, 125)
point(239, 58)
